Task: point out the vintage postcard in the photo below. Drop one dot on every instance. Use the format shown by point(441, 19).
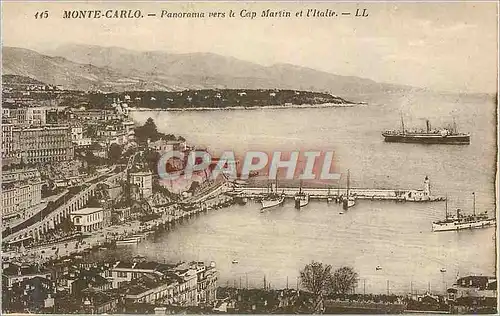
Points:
point(249, 157)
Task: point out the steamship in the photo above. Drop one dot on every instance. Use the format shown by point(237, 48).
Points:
point(429, 136)
point(460, 221)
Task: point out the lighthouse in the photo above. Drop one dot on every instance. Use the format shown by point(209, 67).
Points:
point(427, 187)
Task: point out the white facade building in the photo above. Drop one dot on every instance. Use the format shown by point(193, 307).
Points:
point(88, 219)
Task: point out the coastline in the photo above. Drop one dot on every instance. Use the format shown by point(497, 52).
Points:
point(233, 108)
point(108, 236)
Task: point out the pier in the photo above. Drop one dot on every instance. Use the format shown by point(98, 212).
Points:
point(404, 195)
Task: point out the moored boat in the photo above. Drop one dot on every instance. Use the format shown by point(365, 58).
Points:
point(301, 199)
point(272, 200)
point(349, 200)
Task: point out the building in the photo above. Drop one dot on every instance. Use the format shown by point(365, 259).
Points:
point(129, 126)
point(144, 182)
point(99, 302)
point(78, 138)
point(7, 142)
point(163, 146)
point(123, 272)
point(188, 285)
point(88, 219)
point(25, 115)
point(41, 144)
point(185, 284)
point(420, 195)
point(30, 296)
point(19, 196)
point(20, 174)
point(13, 273)
point(474, 294)
point(207, 282)
point(150, 289)
point(112, 134)
point(96, 115)
point(474, 286)
point(21, 190)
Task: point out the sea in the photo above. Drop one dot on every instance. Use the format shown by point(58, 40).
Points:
point(248, 246)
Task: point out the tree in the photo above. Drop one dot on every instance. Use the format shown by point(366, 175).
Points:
point(147, 131)
point(114, 153)
point(151, 157)
point(317, 278)
point(345, 280)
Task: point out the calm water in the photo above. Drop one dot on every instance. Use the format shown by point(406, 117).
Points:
point(397, 237)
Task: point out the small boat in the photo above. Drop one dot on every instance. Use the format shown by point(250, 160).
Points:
point(349, 200)
point(241, 200)
point(378, 268)
point(341, 213)
point(301, 199)
point(443, 270)
point(235, 261)
point(272, 200)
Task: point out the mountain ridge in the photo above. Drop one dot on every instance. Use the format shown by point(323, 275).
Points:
point(92, 67)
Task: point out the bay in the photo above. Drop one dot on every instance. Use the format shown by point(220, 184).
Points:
point(397, 237)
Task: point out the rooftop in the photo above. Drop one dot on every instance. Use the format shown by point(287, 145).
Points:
point(87, 211)
point(15, 270)
point(141, 173)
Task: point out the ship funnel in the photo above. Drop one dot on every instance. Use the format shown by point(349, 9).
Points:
point(428, 126)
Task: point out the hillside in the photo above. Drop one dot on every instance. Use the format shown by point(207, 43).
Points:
point(110, 69)
point(68, 74)
point(19, 80)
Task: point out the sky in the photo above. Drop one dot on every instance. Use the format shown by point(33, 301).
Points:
point(449, 46)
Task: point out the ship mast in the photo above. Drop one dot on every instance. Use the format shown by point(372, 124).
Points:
point(402, 123)
point(276, 187)
point(474, 203)
point(446, 206)
point(348, 176)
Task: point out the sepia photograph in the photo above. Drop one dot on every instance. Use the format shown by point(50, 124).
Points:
point(231, 157)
